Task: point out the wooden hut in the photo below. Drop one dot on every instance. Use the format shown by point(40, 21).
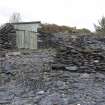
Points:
point(19, 35)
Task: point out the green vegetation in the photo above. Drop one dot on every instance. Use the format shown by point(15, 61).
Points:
point(83, 30)
point(100, 28)
point(53, 28)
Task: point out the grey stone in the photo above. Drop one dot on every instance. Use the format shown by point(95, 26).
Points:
point(72, 68)
point(53, 99)
point(7, 66)
point(13, 54)
point(40, 92)
point(31, 85)
point(60, 83)
point(84, 76)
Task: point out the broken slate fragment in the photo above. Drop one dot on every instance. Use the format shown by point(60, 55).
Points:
point(71, 68)
point(40, 92)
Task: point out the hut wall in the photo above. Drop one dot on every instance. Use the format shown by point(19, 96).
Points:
point(26, 39)
point(27, 27)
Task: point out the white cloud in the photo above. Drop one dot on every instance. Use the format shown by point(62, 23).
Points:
point(79, 13)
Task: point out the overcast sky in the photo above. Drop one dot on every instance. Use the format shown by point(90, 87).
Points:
point(79, 13)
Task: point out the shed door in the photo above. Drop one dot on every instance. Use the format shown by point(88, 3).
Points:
point(33, 40)
point(26, 39)
point(20, 39)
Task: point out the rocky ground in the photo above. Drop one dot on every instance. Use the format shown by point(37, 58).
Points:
point(73, 74)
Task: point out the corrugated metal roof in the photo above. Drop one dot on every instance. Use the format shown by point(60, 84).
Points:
point(33, 22)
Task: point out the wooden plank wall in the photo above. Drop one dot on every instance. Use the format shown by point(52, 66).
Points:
point(26, 39)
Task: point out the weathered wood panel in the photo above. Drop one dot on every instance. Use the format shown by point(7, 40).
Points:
point(27, 27)
point(20, 39)
point(26, 39)
point(33, 40)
